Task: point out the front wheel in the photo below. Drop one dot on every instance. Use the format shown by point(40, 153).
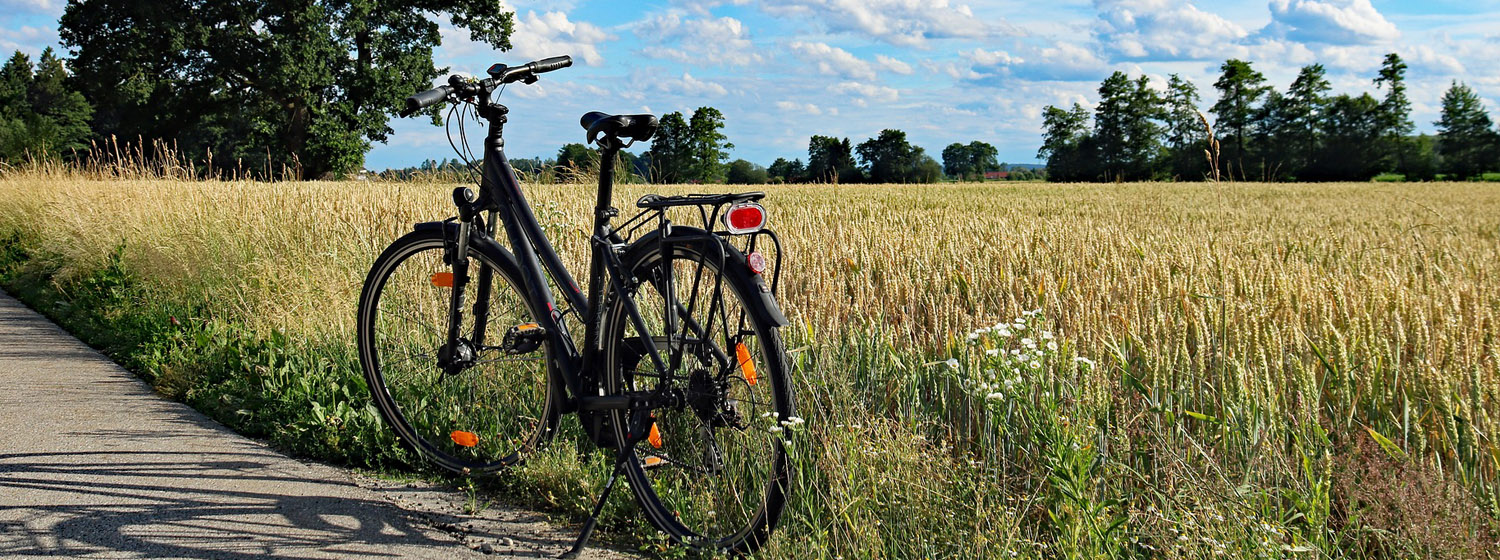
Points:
point(483, 414)
point(710, 471)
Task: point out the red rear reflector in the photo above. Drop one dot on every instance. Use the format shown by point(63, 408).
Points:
point(466, 439)
point(745, 218)
point(443, 279)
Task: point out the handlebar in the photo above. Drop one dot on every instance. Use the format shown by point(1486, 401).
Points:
point(499, 74)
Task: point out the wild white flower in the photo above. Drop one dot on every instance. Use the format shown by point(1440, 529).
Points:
point(1015, 352)
point(1052, 345)
point(1084, 361)
point(1036, 365)
point(992, 352)
point(952, 363)
point(795, 420)
point(767, 414)
point(995, 396)
point(774, 429)
point(973, 336)
point(1028, 342)
point(1046, 335)
point(1002, 332)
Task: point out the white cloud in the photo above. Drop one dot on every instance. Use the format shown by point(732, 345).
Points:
point(833, 61)
point(689, 86)
point(717, 41)
point(1060, 62)
point(29, 40)
point(865, 93)
point(808, 108)
point(1163, 30)
point(1333, 22)
point(893, 65)
point(908, 23)
point(553, 34)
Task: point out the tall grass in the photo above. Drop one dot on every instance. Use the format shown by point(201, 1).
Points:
point(1190, 371)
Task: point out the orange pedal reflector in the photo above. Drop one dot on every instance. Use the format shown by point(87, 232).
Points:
point(747, 365)
point(442, 279)
point(466, 439)
point(527, 326)
point(654, 437)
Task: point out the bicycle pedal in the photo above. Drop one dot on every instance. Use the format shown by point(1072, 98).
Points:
point(524, 338)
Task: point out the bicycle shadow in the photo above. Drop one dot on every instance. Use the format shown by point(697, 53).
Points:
point(198, 505)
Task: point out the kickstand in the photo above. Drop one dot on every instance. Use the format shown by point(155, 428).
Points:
point(588, 526)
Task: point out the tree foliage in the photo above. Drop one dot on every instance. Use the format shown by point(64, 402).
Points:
point(301, 85)
point(41, 116)
point(831, 160)
point(1301, 134)
point(1466, 136)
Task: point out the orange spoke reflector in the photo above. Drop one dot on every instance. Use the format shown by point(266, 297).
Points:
point(747, 365)
point(653, 461)
point(654, 437)
point(442, 279)
point(466, 439)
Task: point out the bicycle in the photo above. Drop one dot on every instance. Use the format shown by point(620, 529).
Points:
point(681, 371)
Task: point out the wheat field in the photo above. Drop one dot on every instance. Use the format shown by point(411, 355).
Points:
point(987, 370)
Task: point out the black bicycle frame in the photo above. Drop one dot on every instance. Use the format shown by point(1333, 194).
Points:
point(501, 195)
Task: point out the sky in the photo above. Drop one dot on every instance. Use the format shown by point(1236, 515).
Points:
point(943, 71)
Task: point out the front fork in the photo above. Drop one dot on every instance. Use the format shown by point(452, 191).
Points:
point(456, 353)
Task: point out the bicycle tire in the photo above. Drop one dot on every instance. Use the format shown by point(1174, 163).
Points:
point(509, 407)
point(686, 505)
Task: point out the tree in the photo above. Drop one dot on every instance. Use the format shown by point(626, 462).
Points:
point(787, 171)
point(1240, 87)
point(742, 172)
point(831, 160)
point(957, 162)
point(1395, 116)
point(1067, 146)
point(306, 85)
point(1184, 129)
point(1297, 133)
point(575, 159)
point(1466, 139)
point(41, 115)
point(1351, 131)
point(889, 158)
point(983, 158)
point(670, 157)
point(708, 147)
point(1125, 128)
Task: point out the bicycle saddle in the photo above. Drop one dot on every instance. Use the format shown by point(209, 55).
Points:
point(636, 127)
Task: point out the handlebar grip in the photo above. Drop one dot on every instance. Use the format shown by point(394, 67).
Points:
point(550, 64)
point(425, 99)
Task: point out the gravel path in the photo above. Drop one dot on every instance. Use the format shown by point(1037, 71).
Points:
point(93, 464)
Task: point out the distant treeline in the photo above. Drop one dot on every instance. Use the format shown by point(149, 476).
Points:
point(1259, 133)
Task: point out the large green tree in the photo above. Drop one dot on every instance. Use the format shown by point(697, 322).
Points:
point(708, 145)
point(1349, 147)
point(1466, 137)
point(1395, 117)
point(1240, 88)
point(670, 155)
point(889, 158)
point(831, 160)
point(306, 85)
point(1185, 134)
point(1125, 128)
point(787, 171)
point(1067, 146)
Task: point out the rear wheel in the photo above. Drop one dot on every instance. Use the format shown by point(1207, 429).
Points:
point(711, 471)
point(484, 414)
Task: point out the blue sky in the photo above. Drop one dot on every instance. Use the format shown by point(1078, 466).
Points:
point(942, 70)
